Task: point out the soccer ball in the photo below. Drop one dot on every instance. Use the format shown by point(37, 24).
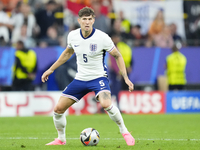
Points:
point(90, 137)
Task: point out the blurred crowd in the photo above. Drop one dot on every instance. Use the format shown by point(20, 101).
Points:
point(35, 22)
point(43, 23)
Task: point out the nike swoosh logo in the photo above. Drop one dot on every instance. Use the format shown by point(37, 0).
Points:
point(103, 88)
point(76, 45)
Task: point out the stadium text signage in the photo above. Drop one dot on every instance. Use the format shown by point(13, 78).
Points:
point(178, 102)
point(42, 103)
point(142, 102)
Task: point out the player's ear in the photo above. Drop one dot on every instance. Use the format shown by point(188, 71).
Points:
point(78, 20)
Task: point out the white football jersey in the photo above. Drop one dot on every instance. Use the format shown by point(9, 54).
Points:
point(90, 53)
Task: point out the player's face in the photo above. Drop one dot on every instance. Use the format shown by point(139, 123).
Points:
point(86, 23)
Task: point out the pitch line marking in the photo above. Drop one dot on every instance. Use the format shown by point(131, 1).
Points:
point(142, 139)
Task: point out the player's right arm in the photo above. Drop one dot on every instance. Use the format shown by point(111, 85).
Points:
point(66, 54)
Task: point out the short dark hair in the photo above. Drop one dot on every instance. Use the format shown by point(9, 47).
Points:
point(177, 46)
point(51, 2)
point(20, 42)
point(86, 11)
point(114, 34)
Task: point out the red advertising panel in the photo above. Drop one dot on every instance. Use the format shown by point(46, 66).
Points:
point(142, 102)
point(27, 103)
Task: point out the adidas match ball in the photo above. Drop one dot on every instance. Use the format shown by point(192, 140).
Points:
point(90, 137)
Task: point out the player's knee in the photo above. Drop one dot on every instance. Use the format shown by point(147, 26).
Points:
point(63, 104)
point(105, 99)
point(58, 110)
point(106, 104)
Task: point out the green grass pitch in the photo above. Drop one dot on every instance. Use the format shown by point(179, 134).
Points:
point(151, 132)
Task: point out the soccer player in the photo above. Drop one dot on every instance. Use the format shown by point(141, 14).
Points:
point(89, 45)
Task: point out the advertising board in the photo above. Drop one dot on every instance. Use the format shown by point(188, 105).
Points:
point(183, 102)
point(142, 102)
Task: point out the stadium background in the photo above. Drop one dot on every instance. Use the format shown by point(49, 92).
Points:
point(147, 98)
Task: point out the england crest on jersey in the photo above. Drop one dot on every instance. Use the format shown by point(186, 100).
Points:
point(93, 49)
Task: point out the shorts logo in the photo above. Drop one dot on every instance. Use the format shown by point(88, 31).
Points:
point(93, 49)
point(103, 88)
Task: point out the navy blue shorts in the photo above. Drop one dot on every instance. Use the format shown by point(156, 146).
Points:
point(77, 89)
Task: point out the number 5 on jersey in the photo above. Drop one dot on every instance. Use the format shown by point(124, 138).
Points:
point(85, 58)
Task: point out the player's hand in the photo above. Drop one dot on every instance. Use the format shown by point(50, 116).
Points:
point(130, 85)
point(45, 75)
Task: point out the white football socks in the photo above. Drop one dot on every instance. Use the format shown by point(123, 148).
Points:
point(116, 116)
point(60, 124)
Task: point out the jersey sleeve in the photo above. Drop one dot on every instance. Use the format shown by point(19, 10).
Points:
point(69, 38)
point(108, 43)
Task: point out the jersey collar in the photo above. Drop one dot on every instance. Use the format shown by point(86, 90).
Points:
point(93, 30)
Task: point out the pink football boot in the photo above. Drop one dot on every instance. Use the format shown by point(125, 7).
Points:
point(56, 142)
point(129, 139)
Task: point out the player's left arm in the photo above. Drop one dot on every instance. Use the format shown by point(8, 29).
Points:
point(121, 65)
